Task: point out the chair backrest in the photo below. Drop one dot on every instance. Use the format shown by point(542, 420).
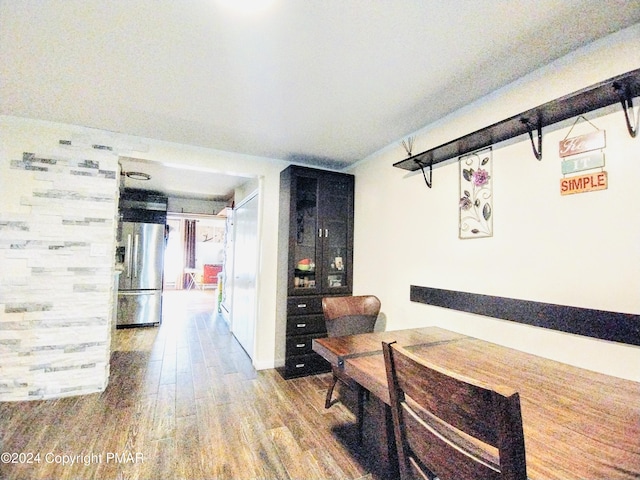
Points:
point(451, 426)
point(350, 315)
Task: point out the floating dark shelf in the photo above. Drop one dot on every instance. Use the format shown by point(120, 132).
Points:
point(621, 89)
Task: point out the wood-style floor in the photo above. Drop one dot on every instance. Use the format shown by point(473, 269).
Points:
point(184, 402)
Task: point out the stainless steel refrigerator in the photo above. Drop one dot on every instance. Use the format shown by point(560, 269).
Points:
point(141, 251)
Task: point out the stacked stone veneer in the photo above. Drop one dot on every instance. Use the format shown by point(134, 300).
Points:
point(57, 241)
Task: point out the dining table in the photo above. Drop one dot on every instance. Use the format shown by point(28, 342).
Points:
point(577, 423)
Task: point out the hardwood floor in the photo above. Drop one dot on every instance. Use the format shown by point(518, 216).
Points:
point(184, 402)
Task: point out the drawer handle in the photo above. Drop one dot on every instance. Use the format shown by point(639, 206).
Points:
point(301, 325)
point(300, 365)
point(302, 305)
point(300, 345)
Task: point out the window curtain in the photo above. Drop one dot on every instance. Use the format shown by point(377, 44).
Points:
point(189, 249)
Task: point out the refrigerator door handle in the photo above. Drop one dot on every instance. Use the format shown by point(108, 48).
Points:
point(136, 242)
point(128, 256)
point(134, 293)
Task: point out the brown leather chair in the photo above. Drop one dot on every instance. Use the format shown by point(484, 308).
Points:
point(449, 426)
point(349, 316)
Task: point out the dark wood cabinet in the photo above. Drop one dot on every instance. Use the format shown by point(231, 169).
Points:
point(319, 226)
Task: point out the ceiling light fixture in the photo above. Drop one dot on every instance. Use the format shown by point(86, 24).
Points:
point(138, 175)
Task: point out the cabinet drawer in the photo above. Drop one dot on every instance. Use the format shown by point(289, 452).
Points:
point(305, 325)
point(306, 365)
point(304, 305)
point(301, 344)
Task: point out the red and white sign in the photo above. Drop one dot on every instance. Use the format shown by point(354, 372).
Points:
point(583, 143)
point(584, 183)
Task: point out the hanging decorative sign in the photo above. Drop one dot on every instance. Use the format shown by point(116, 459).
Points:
point(584, 183)
point(583, 162)
point(575, 145)
point(584, 143)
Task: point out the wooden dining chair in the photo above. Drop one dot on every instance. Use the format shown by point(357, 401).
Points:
point(449, 426)
point(349, 316)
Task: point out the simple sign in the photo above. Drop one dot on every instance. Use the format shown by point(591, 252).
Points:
point(583, 143)
point(583, 183)
point(583, 162)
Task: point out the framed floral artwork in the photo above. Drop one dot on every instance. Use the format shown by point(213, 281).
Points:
point(476, 195)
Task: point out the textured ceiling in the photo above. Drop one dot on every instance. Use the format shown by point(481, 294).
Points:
point(317, 82)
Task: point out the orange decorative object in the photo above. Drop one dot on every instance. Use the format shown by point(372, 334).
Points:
point(211, 274)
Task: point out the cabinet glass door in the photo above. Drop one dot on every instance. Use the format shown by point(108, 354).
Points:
point(336, 264)
point(305, 239)
point(336, 201)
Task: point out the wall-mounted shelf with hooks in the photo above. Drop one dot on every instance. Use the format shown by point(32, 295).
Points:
point(621, 89)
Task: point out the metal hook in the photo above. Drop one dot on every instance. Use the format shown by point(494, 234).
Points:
point(627, 104)
point(429, 181)
point(537, 152)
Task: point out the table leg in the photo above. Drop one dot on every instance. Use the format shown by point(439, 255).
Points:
point(379, 441)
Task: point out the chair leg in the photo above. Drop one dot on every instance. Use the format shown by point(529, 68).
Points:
point(327, 402)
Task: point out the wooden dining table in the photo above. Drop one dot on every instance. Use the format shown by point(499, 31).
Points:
point(578, 424)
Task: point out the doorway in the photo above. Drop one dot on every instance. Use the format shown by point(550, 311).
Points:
point(204, 236)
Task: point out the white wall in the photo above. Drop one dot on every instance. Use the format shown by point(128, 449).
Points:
point(246, 189)
point(581, 250)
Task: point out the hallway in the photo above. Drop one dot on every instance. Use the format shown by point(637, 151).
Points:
point(184, 402)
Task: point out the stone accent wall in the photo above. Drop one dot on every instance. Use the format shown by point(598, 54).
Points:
point(57, 243)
